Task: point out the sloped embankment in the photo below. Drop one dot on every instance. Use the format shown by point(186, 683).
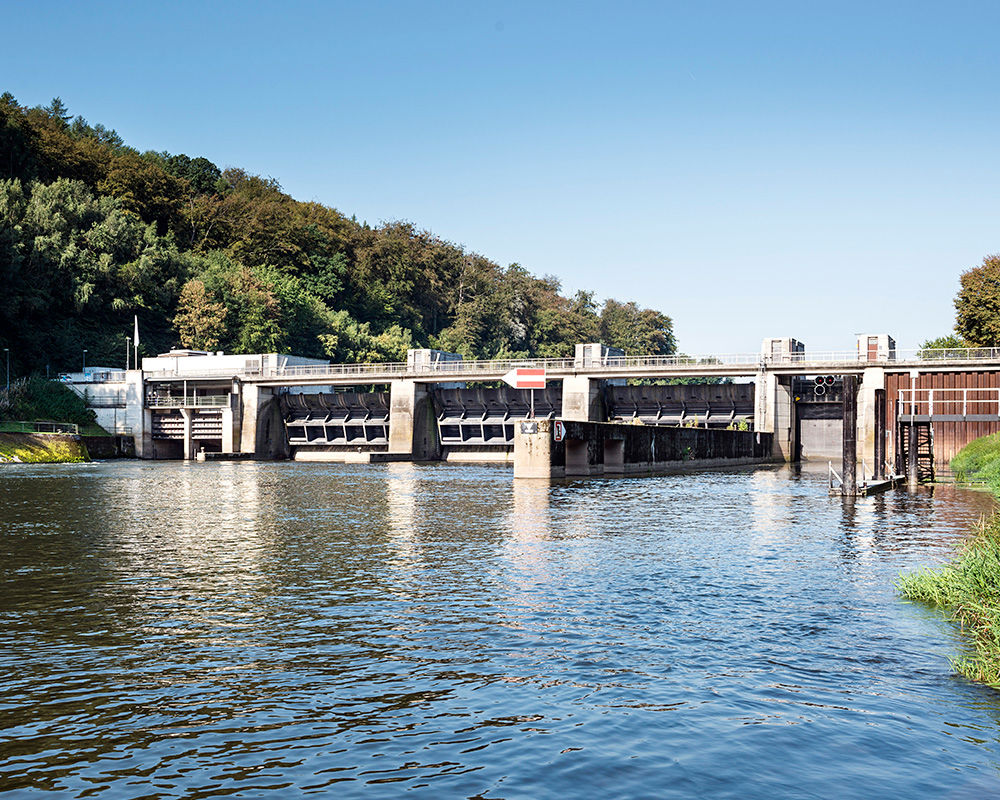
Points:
point(42, 448)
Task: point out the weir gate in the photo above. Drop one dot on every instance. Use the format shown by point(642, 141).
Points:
point(437, 406)
point(479, 424)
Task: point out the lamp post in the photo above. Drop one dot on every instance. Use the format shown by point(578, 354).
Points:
point(85, 361)
point(6, 352)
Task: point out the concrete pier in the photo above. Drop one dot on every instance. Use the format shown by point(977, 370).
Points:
point(608, 448)
point(582, 399)
point(775, 414)
point(412, 425)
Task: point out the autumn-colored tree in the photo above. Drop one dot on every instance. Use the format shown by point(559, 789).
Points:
point(200, 320)
point(146, 188)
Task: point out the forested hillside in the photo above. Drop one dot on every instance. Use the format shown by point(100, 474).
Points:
point(93, 231)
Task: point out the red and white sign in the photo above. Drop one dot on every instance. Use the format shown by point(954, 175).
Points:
point(526, 378)
point(558, 430)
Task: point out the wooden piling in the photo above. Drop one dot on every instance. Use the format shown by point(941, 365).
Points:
point(849, 487)
point(880, 404)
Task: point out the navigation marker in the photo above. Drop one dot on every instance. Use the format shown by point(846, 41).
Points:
point(526, 378)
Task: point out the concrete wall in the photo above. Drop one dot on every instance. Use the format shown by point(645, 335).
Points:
point(583, 399)
point(597, 448)
point(775, 413)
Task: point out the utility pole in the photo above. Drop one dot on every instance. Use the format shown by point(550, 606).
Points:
point(6, 351)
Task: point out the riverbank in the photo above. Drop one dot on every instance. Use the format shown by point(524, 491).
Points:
point(969, 586)
point(42, 448)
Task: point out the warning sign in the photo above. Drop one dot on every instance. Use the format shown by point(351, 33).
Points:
point(558, 430)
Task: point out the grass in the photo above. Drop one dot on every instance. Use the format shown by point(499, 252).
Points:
point(979, 462)
point(35, 398)
point(969, 586)
point(41, 448)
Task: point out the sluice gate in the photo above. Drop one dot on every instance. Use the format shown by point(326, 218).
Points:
point(336, 418)
point(698, 405)
point(486, 417)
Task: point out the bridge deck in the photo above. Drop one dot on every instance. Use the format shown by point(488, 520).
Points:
point(745, 366)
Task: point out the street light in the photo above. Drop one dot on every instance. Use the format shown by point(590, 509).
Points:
point(84, 361)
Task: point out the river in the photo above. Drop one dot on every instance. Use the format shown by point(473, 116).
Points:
point(278, 629)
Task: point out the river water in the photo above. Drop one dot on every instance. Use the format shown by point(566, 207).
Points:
point(280, 629)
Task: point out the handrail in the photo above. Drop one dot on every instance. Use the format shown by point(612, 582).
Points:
point(39, 427)
point(210, 401)
point(950, 402)
point(823, 360)
point(833, 474)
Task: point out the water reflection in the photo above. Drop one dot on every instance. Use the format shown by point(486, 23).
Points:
point(180, 630)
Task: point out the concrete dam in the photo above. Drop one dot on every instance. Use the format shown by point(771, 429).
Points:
point(914, 409)
point(479, 424)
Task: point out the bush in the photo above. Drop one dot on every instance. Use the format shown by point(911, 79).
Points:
point(35, 398)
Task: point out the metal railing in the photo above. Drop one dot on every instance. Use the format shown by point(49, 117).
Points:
point(948, 402)
point(106, 401)
point(823, 360)
point(191, 401)
point(39, 427)
point(94, 376)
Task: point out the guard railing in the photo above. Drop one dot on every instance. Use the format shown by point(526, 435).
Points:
point(824, 361)
point(202, 401)
point(948, 402)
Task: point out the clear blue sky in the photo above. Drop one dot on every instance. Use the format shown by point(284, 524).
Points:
point(751, 169)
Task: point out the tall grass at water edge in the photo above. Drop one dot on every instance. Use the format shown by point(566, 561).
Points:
point(969, 585)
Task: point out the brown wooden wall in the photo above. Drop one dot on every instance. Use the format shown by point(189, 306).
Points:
point(949, 437)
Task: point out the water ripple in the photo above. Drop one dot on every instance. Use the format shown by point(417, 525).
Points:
point(182, 630)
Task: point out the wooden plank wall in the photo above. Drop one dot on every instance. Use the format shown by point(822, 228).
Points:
point(949, 437)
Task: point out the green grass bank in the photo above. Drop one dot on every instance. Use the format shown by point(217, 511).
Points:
point(969, 585)
point(37, 399)
point(41, 448)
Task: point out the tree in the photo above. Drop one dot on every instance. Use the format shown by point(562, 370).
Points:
point(949, 342)
point(200, 320)
point(92, 232)
point(353, 341)
point(259, 313)
point(145, 188)
point(977, 305)
point(17, 141)
point(638, 331)
point(58, 112)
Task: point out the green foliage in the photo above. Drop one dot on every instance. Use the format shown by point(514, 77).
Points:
point(637, 330)
point(34, 398)
point(969, 587)
point(76, 268)
point(92, 232)
point(353, 341)
point(977, 306)
point(950, 346)
point(200, 321)
point(979, 462)
point(41, 449)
